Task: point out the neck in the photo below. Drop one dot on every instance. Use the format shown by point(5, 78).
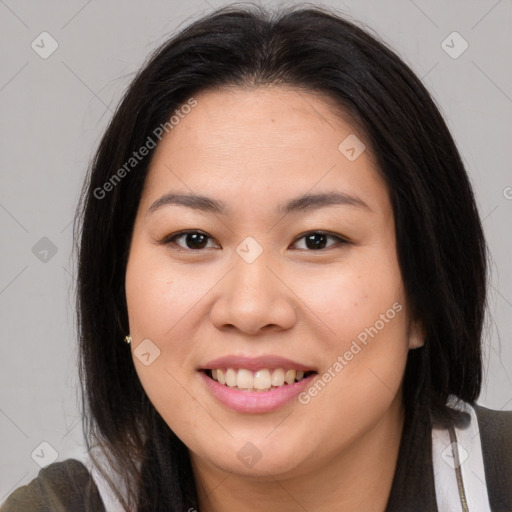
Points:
point(358, 478)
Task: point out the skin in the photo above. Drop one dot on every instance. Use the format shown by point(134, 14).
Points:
point(253, 149)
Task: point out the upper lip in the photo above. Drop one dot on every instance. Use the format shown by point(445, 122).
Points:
point(255, 363)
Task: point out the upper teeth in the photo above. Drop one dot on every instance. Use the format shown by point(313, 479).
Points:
point(260, 380)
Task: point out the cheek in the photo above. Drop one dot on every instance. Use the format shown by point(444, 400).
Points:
point(353, 297)
point(158, 294)
point(364, 330)
point(158, 299)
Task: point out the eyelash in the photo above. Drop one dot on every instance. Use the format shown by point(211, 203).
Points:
point(170, 239)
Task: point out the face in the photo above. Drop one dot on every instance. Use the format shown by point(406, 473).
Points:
point(275, 290)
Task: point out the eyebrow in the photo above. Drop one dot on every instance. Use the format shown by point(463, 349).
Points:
point(306, 202)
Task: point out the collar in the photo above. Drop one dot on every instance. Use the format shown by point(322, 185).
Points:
point(458, 465)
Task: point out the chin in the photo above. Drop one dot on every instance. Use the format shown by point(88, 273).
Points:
point(259, 459)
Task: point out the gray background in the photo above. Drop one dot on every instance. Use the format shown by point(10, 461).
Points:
point(54, 111)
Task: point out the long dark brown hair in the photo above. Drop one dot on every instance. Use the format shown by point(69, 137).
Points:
point(439, 237)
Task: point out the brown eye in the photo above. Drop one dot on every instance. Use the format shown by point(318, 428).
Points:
point(316, 240)
point(194, 240)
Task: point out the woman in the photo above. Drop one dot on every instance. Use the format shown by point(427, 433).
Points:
point(279, 225)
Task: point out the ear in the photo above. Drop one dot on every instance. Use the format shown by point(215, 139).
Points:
point(416, 335)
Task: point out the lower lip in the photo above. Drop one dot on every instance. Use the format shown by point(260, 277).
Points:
point(255, 401)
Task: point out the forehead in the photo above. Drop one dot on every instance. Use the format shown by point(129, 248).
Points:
point(278, 117)
point(263, 143)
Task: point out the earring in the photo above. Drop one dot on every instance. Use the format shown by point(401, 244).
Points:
point(417, 343)
point(128, 339)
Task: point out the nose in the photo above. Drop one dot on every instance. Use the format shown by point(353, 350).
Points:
point(254, 298)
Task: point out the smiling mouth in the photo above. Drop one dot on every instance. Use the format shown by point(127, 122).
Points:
point(262, 380)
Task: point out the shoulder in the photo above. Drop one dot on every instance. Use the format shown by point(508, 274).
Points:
point(62, 486)
point(496, 439)
point(490, 417)
point(495, 432)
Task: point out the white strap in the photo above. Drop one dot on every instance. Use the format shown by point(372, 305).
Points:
point(464, 458)
point(112, 504)
point(110, 501)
